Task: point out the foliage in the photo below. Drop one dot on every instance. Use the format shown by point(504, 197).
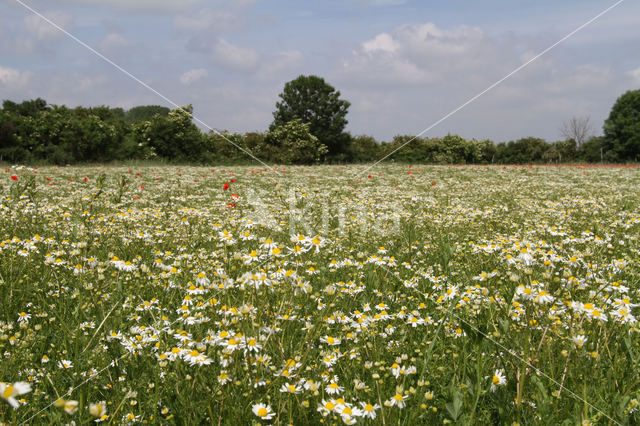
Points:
point(34, 132)
point(145, 113)
point(317, 103)
point(173, 137)
point(295, 144)
point(622, 129)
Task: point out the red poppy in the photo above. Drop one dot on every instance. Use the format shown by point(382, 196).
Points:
point(86, 179)
point(225, 186)
point(370, 176)
point(233, 180)
point(14, 177)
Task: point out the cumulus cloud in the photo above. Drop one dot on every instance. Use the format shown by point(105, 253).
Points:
point(14, 78)
point(192, 76)
point(233, 56)
point(380, 43)
point(405, 79)
point(419, 54)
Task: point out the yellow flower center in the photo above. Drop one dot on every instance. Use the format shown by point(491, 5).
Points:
point(262, 412)
point(8, 392)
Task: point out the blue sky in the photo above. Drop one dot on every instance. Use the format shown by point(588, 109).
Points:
point(401, 64)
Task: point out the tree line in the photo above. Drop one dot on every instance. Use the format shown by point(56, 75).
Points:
point(308, 128)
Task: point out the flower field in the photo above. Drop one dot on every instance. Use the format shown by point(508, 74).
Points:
point(307, 295)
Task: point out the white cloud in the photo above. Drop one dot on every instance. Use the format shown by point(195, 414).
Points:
point(192, 76)
point(41, 29)
point(419, 54)
point(13, 78)
point(635, 76)
point(382, 42)
point(403, 80)
point(233, 56)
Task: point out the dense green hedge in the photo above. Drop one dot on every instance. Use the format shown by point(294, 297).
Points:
point(36, 132)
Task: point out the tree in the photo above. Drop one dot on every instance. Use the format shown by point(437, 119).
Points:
point(577, 129)
point(296, 144)
point(145, 112)
point(317, 103)
point(622, 129)
point(173, 137)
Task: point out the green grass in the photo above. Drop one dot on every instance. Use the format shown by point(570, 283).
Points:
point(460, 292)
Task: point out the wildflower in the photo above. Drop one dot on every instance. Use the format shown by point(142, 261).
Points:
point(398, 400)
point(369, 410)
point(288, 388)
point(98, 410)
point(24, 317)
point(579, 340)
point(263, 411)
point(64, 364)
point(498, 379)
point(194, 357)
point(348, 413)
point(130, 418)
point(333, 388)
point(251, 345)
point(327, 407)
point(9, 391)
point(332, 341)
point(223, 377)
point(70, 406)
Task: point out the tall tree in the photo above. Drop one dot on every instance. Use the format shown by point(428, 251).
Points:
point(317, 103)
point(578, 129)
point(622, 129)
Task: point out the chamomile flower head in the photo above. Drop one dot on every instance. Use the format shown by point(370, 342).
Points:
point(8, 392)
point(263, 411)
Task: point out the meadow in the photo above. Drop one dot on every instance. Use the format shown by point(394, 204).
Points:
point(328, 294)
